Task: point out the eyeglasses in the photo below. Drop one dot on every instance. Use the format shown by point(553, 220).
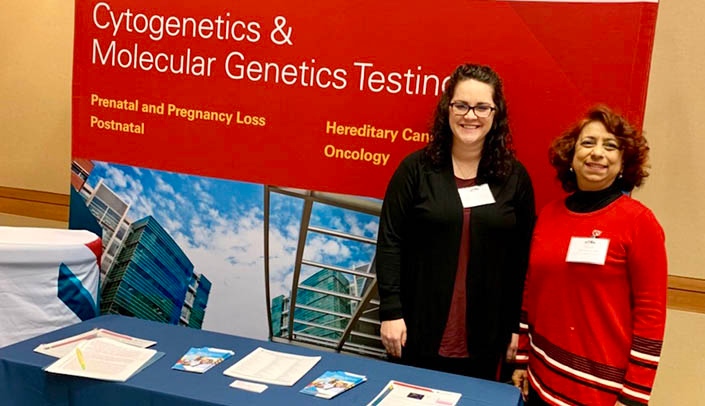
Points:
point(480, 110)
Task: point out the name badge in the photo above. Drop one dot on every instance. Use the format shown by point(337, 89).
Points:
point(473, 196)
point(588, 250)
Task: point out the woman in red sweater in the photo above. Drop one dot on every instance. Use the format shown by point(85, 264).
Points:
point(594, 305)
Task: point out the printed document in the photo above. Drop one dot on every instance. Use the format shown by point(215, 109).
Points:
point(403, 394)
point(104, 358)
point(60, 348)
point(278, 368)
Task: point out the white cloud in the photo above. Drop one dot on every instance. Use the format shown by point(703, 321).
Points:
point(117, 178)
point(181, 200)
point(162, 186)
point(282, 254)
point(171, 225)
point(202, 195)
point(201, 236)
point(372, 227)
point(141, 207)
point(353, 225)
point(336, 223)
point(167, 204)
point(320, 249)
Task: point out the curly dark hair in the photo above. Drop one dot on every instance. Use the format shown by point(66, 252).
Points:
point(635, 149)
point(497, 151)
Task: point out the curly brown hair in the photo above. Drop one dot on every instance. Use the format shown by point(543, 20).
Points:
point(497, 151)
point(635, 149)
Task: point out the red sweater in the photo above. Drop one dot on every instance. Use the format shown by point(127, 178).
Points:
point(595, 331)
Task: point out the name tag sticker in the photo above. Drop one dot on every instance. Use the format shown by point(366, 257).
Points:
point(587, 250)
point(248, 386)
point(474, 196)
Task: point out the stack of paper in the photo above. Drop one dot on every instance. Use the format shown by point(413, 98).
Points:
point(60, 348)
point(104, 358)
point(278, 368)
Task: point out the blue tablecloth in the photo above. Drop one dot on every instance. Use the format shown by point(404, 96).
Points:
point(23, 382)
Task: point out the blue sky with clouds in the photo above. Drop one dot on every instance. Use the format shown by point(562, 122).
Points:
point(219, 225)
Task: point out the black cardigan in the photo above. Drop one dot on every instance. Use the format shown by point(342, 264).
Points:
point(417, 255)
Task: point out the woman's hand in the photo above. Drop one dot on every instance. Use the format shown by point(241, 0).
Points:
point(393, 334)
point(512, 348)
point(520, 379)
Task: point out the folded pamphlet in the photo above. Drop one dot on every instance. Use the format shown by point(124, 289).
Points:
point(202, 359)
point(333, 383)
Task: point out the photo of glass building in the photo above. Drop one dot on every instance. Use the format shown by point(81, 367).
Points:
point(110, 211)
point(334, 303)
point(153, 279)
point(144, 272)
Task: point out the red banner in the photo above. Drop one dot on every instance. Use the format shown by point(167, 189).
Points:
point(332, 95)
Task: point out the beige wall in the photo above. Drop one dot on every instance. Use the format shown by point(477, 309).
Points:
point(36, 51)
point(35, 88)
point(12, 220)
point(675, 129)
point(679, 381)
point(675, 190)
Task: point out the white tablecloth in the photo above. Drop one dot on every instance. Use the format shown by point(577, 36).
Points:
point(49, 278)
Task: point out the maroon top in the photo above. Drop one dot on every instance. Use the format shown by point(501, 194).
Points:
point(454, 343)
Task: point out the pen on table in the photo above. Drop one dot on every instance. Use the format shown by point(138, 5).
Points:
point(81, 361)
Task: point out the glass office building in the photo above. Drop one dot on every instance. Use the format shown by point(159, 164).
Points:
point(151, 277)
point(310, 301)
point(279, 312)
point(194, 310)
point(334, 301)
point(315, 308)
point(110, 211)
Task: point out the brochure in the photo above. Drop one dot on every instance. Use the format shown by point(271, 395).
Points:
point(403, 394)
point(202, 359)
point(60, 348)
point(104, 358)
point(279, 368)
point(332, 383)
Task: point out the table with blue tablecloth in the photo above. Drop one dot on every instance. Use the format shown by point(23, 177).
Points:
point(23, 381)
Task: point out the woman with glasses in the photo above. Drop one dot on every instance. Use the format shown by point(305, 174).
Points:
point(454, 236)
point(595, 295)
